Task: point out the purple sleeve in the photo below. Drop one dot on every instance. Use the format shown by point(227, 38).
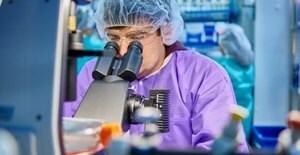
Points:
point(84, 79)
point(211, 109)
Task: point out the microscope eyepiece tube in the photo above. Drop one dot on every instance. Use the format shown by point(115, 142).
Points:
point(131, 62)
point(111, 48)
point(105, 63)
point(135, 44)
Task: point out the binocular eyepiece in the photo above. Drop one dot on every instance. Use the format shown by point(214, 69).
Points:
point(126, 67)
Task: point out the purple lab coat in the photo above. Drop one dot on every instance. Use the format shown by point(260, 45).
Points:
point(200, 97)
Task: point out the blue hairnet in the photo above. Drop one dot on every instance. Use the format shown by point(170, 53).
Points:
point(163, 14)
point(234, 41)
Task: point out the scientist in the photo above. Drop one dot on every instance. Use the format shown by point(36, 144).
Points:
point(200, 90)
point(237, 59)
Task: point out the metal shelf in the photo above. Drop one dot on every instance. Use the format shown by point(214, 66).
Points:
point(206, 16)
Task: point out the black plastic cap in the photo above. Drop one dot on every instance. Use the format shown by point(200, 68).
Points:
point(137, 44)
point(112, 44)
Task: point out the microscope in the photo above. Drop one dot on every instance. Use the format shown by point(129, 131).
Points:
point(109, 97)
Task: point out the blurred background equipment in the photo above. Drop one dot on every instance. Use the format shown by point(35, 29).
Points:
point(33, 44)
point(227, 142)
point(288, 140)
point(87, 26)
point(273, 70)
point(295, 100)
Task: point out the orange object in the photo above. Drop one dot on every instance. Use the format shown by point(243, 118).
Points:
point(108, 132)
